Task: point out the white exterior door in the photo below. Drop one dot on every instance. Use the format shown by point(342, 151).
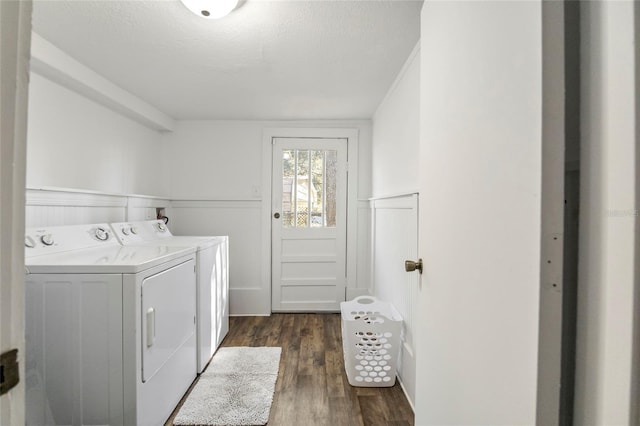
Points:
point(309, 223)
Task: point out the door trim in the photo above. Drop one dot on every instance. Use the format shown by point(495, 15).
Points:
point(351, 134)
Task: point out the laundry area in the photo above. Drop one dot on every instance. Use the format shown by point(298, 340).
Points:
point(317, 212)
point(116, 332)
point(182, 169)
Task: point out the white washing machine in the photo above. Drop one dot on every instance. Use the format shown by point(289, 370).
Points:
point(110, 330)
point(212, 260)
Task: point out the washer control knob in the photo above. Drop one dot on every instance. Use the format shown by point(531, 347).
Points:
point(47, 239)
point(28, 242)
point(102, 234)
point(162, 227)
point(125, 230)
point(134, 231)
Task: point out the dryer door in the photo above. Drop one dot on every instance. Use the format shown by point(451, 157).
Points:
point(168, 315)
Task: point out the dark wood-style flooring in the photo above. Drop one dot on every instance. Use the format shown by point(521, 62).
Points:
point(312, 387)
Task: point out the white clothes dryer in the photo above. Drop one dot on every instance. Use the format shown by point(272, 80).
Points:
point(212, 280)
point(110, 330)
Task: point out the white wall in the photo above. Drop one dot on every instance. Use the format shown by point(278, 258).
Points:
point(215, 174)
point(480, 166)
point(218, 160)
point(608, 216)
point(394, 151)
point(92, 147)
point(222, 160)
point(396, 134)
point(74, 142)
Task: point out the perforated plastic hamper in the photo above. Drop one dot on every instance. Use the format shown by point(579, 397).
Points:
point(370, 341)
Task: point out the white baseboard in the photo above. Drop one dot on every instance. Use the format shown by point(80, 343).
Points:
point(249, 315)
point(249, 302)
point(406, 394)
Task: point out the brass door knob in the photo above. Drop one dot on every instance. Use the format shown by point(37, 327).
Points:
point(410, 265)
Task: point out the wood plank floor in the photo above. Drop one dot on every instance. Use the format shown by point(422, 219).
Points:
point(312, 387)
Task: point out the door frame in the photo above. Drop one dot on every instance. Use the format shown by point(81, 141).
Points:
point(334, 283)
point(351, 135)
point(16, 45)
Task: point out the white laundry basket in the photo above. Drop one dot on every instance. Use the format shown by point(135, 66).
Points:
point(370, 341)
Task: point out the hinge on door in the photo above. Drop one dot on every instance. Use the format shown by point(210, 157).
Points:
point(9, 373)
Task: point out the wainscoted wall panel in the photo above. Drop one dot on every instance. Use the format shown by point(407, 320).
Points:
point(395, 239)
point(58, 207)
point(364, 283)
point(250, 293)
point(70, 215)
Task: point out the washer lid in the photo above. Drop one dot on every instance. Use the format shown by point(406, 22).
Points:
point(200, 242)
point(105, 260)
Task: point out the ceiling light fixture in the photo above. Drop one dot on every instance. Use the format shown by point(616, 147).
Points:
point(210, 9)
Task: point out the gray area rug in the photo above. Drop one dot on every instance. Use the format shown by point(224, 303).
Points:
point(235, 389)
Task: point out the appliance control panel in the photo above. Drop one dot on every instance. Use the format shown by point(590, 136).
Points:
point(56, 239)
point(159, 228)
point(128, 233)
point(131, 233)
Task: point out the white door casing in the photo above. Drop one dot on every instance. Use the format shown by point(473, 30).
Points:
point(309, 193)
point(351, 136)
point(15, 36)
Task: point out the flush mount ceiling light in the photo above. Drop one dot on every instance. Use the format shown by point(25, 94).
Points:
point(210, 9)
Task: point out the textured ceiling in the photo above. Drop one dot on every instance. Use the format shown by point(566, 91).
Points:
point(266, 60)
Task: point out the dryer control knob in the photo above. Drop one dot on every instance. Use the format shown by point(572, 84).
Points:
point(28, 242)
point(162, 227)
point(47, 240)
point(134, 230)
point(125, 230)
point(102, 234)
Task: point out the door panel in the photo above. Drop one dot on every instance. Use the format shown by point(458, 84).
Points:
point(479, 214)
point(168, 315)
point(309, 223)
